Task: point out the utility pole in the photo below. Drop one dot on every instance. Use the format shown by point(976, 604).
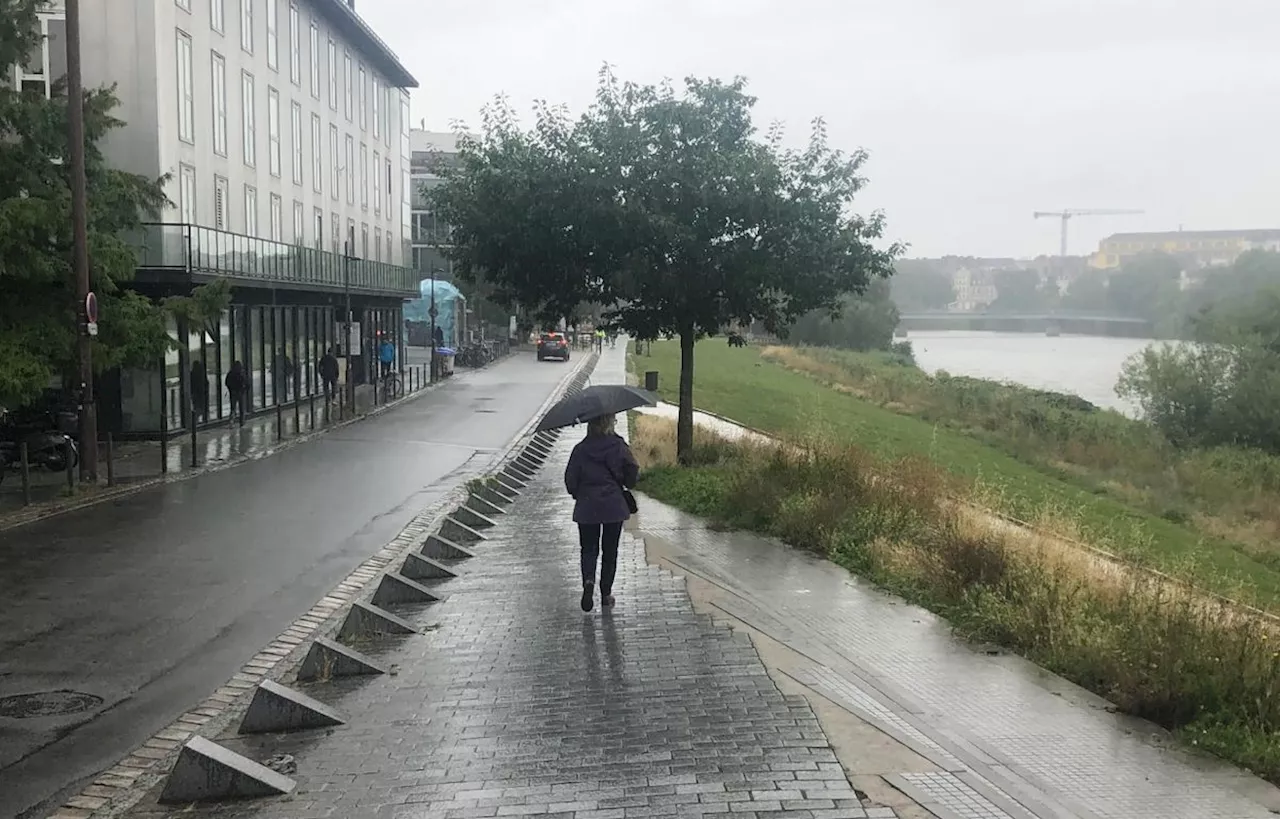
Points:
point(80, 246)
point(346, 324)
point(433, 313)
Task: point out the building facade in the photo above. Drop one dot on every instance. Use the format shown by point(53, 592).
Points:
point(429, 150)
point(1196, 248)
point(281, 127)
point(974, 289)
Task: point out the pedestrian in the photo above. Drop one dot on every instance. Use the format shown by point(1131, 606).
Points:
point(237, 385)
point(386, 355)
point(327, 369)
point(599, 477)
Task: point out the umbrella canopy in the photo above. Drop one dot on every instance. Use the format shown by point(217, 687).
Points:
point(595, 402)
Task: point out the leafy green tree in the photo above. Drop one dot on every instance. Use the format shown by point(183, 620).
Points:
point(866, 322)
point(1087, 293)
point(918, 285)
point(37, 297)
point(667, 205)
point(1144, 284)
point(1019, 291)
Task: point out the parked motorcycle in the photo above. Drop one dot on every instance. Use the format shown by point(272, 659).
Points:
point(48, 443)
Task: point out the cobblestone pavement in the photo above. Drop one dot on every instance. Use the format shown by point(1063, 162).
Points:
point(998, 728)
point(516, 703)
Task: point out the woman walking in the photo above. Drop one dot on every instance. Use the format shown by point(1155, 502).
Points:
point(600, 475)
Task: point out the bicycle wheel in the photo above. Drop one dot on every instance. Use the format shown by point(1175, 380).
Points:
point(394, 389)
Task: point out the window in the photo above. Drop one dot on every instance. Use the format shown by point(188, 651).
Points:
point(246, 113)
point(335, 232)
point(333, 75)
point(390, 245)
point(217, 16)
point(246, 25)
point(386, 116)
point(299, 223)
point(377, 182)
point(187, 194)
point(186, 93)
point(219, 83)
point(220, 202)
point(273, 34)
point(295, 131)
point(317, 219)
point(377, 109)
point(335, 169)
point(364, 175)
point(351, 237)
point(317, 162)
point(377, 243)
point(364, 240)
point(390, 211)
point(185, 5)
point(347, 81)
point(250, 210)
point(273, 131)
point(276, 215)
point(295, 45)
point(351, 170)
point(314, 57)
point(362, 99)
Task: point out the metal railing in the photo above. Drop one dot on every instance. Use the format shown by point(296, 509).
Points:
point(198, 249)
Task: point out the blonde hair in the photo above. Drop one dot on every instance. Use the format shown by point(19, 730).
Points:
point(604, 425)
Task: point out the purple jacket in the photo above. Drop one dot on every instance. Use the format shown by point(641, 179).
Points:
point(596, 467)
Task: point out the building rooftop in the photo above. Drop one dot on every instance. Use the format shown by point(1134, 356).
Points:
point(1256, 235)
point(344, 18)
point(421, 141)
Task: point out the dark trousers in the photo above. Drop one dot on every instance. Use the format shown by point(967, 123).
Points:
point(330, 388)
point(595, 538)
point(237, 407)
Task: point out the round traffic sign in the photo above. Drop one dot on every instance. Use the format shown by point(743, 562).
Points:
point(91, 308)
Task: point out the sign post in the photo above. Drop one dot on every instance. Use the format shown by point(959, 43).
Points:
point(91, 313)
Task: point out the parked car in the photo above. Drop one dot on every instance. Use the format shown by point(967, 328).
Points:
point(553, 345)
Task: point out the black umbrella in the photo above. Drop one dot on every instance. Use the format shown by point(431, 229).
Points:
point(595, 402)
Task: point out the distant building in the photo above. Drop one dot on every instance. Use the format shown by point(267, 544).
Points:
point(975, 289)
point(429, 151)
point(1196, 248)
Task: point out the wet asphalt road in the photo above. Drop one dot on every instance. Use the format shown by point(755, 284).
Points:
point(154, 600)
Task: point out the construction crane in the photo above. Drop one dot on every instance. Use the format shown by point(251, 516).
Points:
point(1070, 213)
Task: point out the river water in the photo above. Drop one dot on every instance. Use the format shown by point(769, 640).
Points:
point(1087, 366)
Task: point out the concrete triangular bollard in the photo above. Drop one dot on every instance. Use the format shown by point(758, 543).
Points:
point(496, 494)
point(420, 567)
point(328, 659)
point(366, 620)
point(538, 450)
point(511, 484)
point(206, 772)
point(468, 516)
point(457, 531)
point(275, 708)
point(396, 588)
point(489, 509)
point(442, 548)
point(519, 473)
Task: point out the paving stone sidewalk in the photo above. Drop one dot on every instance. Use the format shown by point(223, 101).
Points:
point(515, 703)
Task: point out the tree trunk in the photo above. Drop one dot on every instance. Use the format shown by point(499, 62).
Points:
point(684, 422)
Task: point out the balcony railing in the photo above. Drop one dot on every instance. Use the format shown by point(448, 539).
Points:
point(203, 250)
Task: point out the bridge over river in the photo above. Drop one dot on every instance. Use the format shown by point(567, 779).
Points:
point(1049, 323)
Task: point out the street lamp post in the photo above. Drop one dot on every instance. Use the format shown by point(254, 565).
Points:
point(433, 313)
point(80, 245)
point(346, 324)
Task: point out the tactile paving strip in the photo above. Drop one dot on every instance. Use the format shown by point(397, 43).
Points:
point(945, 791)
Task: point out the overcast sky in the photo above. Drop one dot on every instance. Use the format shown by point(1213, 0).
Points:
point(976, 112)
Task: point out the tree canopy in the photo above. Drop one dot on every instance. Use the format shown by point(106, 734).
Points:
point(37, 295)
point(668, 207)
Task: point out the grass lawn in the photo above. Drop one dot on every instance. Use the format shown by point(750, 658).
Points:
point(739, 384)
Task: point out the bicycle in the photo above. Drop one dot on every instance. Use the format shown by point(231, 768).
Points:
point(392, 386)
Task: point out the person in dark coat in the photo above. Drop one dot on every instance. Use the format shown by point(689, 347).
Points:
point(237, 385)
point(327, 369)
point(200, 390)
point(599, 468)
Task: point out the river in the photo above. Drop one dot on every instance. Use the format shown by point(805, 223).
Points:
point(1087, 366)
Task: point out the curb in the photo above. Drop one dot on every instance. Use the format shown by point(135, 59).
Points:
point(19, 519)
point(119, 788)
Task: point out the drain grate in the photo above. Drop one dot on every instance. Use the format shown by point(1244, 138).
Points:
point(47, 704)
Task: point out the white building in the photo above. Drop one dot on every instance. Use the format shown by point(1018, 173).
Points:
point(280, 119)
point(427, 150)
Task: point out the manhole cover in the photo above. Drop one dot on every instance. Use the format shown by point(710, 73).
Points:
point(47, 704)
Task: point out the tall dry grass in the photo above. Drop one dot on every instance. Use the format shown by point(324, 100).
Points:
point(1150, 645)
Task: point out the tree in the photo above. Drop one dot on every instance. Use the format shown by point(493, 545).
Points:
point(667, 206)
point(918, 285)
point(866, 322)
point(1087, 293)
point(1143, 284)
point(38, 321)
point(1019, 291)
